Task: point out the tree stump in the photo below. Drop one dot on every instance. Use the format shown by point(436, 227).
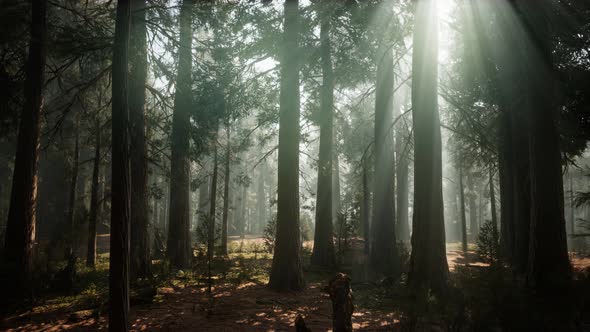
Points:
point(300, 325)
point(341, 295)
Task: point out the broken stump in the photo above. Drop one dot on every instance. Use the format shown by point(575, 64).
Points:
point(341, 295)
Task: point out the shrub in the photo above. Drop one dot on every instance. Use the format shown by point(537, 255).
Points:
point(487, 243)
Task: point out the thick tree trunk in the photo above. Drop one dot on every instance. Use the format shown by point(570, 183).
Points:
point(323, 248)
point(140, 248)
point(506, 171)
point(226, 192)
point(384, 255)
point(462, 208)
point(70, 219)
point(179, 247)
point(20, 227)
point(94, 204)
point(286, 271)
point(120, 186)
point(548, 262)
point(428, 263)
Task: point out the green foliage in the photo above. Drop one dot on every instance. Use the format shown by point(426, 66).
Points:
point(487, 243)
point(269, 234)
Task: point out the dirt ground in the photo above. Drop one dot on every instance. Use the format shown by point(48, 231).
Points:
point(235, 307)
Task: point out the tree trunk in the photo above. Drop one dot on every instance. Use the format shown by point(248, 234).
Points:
point(463, 214)
point(212, 207)
point(323, 246)
point(226, 192)
point(428, 263)
point(548, 262)
point(94, 204)
point(120, 186)
point(473, 224)
point(140, 264)
point(20, 227)
point(179, 247)
point(286, 271)
point(71, 222)
point(261, 200)
point(204, 202)
point(342, 306)
point(336, 208)
point(506, 171)
point(365, 212)
point(402, 144)
point(384, 255)
point(493, 207)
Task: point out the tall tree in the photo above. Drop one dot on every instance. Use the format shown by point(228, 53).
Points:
point(473, 224)
point(179, 248)
point(212, 207)
point(402, 190)
point(462, 210)
point(226, 184)
point(428, 262)
point(286, 271)
point(20, 227)
point(384, 255)
point(70, 219)
point(323, 245)
point(140, 248)
point(94, 204)
point(120, 178)
point(548, 260)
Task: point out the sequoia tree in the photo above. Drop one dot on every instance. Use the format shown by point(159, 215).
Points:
point(286, 271)
point(428, 262)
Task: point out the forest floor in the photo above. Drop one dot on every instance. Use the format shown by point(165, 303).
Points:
point(240, 300)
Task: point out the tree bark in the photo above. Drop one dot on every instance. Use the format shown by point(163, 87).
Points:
point(365, 207)
point(20, 227)
point(463, 214)
point(403, 227)
point(140, 245)
point(94, 204)
point(226, 192)
point(384, 255)
point(493, 207)
point(71, 226)
point(473, 224)
point(428, 262)
point(179, 247)
point(120, 186)
point(342, 306)
point(286, 271)
point(212, 206)
point(261, 200)
point(323, 248)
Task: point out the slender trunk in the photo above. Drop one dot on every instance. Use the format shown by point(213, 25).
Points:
point(365, 207)
point(94, 204)
point(463, 214)
point(286, 271)
point(335, 182)
point(69, 252)
point(473, 229)
point(261, 200)
point(20, 227)
point(212, 207)
point(226, 192)
point(323, 247)
point(242, 215)
point(179, 247)
point(140, 244)
point(428, 262)
point(403, 227)
point(204, 203)
point(493, 207)
point(120, 186)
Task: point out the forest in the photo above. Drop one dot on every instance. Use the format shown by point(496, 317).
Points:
point(294, 165)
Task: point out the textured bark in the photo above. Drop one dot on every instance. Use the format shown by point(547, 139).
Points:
point(342, 306)
point(94, 204)
point(548, 267)
point(179, 247)
point(140, 245)
point(323, 248)
point(226, 192)
point(20, 227)
point(506, 170)
point(120, 185)
point(384, 255)
point(286, 271)
point(462, 208)
point(428, 262)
